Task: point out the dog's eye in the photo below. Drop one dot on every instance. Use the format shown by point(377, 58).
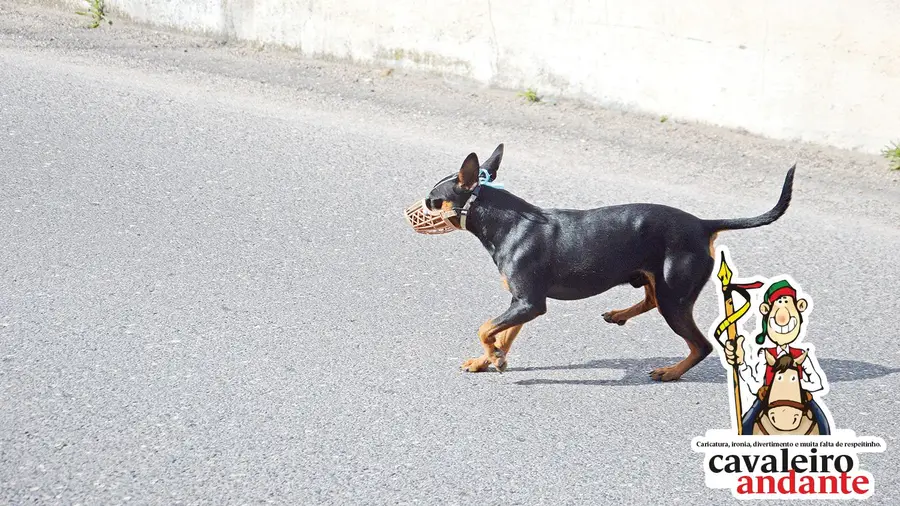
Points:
point(435, 204)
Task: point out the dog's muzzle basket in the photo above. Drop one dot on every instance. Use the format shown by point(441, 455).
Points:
point(425, 221)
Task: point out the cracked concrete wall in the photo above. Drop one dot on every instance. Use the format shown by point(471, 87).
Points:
point(827, 72)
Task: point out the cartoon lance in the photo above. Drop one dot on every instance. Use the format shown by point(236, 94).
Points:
point(782, 377)
point(730, 322)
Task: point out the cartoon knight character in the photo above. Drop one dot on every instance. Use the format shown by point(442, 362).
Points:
point(782, 320)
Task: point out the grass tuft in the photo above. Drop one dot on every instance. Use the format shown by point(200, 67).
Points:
point(96, 10)
point(892, 153)
point(530, 95)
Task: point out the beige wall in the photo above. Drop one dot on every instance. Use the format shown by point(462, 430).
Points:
point(826, 71)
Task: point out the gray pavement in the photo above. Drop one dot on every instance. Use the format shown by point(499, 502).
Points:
point(208, 294)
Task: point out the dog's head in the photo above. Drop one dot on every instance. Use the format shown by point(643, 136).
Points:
point(440, 211)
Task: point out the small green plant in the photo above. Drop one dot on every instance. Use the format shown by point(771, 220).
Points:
point(96, 10)
point(530, 95)
point(892, 153)
point(663, 118)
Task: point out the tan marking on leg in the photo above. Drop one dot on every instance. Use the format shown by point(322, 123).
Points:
point(492, 355)
point(675, 371)
point(487, 334)
point(712, 248)
point(505, 339)
point(620, 316)
point(497, 338)
point(504, 282)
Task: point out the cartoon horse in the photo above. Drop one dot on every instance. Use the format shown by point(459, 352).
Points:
point(786, 405)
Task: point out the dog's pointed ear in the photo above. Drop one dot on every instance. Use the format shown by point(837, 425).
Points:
point(492, 164)
point(468, 173)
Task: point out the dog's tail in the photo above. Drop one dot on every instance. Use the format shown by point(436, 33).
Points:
point(763, 219)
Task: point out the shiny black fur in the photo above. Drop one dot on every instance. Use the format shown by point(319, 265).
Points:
point(570, 254)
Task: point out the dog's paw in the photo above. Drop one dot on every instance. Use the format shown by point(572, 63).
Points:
point(613, 317)
point(498, 360)
point(665, 374)
point(479, 364)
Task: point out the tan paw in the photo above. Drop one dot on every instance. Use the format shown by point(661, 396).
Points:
point(498, 360)
point(479, 364)
point(670, 373)
point(614, 317)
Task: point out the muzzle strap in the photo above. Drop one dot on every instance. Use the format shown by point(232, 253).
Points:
point(463, 212)
point(438, 222)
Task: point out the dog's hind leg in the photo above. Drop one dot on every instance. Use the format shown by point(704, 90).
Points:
point(682, 282)
point(620, 316)
point(682, 322)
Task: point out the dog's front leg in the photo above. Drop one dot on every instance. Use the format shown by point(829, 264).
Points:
point(520, 311)
point(504, 339)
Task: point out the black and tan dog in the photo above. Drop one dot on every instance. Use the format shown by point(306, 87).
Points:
point(569, 254)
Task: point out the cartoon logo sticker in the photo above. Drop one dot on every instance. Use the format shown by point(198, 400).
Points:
point(783, 442)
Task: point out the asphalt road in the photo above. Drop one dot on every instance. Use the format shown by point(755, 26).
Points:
point(208, 294)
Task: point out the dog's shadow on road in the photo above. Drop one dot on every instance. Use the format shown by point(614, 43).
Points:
point(708, 371)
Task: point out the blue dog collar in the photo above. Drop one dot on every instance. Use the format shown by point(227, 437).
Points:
point(484, 178)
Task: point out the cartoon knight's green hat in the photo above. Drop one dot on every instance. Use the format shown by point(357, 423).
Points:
point(776, 290)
